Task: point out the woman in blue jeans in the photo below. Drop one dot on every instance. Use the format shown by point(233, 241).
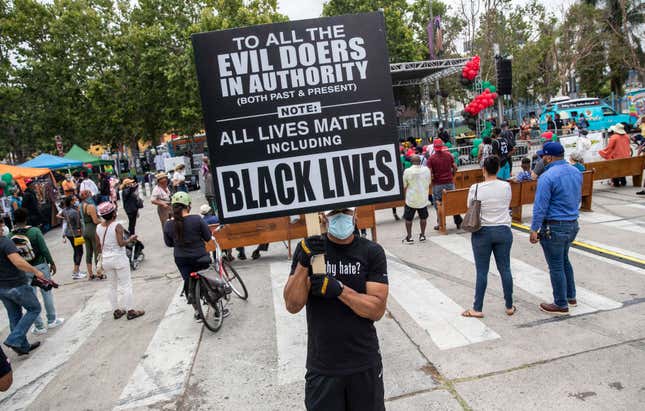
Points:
point(494, 236)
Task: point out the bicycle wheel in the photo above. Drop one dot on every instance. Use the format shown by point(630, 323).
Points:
point(235, 281)
point(213, 314)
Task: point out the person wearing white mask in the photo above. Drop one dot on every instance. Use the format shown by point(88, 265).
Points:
point(343, 357)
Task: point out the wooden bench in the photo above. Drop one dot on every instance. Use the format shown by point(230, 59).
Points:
point(454, 201)
point(622, 167)
point(279, 229)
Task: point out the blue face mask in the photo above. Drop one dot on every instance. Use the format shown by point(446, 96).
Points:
point(341, 225)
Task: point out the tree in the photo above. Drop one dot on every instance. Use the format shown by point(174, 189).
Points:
point(401, 42)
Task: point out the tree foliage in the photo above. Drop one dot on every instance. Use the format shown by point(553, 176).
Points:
point(105, 71)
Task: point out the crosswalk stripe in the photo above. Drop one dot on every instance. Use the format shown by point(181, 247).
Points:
point(587, 254)
point(434, 311)
point(291, 330)
point(162, 373)
point(530, 279)
point(44, 364)
point(613, 222)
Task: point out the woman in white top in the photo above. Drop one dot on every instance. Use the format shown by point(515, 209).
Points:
point(161, 198)
point(179, 178)
point(111, 241)
point(494, 236)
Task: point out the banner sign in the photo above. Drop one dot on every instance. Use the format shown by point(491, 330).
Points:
point(299, 116)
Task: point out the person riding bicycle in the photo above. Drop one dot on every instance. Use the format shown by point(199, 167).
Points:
point(344, 368)
point(187, 234)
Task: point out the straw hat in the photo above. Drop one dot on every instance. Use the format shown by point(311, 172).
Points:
point(179, 167)
point(126, 183)
point(204, 209)
point(161, 176)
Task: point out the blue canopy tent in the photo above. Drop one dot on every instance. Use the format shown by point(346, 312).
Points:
point(52, 162)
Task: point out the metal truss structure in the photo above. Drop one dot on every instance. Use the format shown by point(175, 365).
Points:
point(424, 72)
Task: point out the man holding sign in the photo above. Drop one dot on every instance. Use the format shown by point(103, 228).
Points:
point(344, 369)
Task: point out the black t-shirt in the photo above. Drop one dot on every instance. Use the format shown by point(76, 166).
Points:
point(340, 342)
point(196, 231)
point(10, 276)
point(501, 148)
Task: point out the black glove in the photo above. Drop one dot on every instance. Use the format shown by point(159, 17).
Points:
point(44, 283)
point(325, 286)
point(311, 246)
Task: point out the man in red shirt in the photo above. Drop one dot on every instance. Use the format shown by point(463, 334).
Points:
point(617, 147)
point(442, 167)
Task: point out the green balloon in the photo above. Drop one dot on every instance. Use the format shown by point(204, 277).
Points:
point(486, 84)
point(492, 89)
point(7, 178)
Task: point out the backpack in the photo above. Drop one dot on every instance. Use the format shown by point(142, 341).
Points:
point(23, 244)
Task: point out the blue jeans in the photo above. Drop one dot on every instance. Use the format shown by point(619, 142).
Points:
point(497, 240)
point(48, 297)
point(14, 300)
point(556, 251)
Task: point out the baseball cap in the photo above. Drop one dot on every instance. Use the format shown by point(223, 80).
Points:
point(438, 144)
point(551, 149)
point(204, 209)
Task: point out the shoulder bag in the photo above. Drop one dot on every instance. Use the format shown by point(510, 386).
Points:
point(472, 220)
point(78, 238)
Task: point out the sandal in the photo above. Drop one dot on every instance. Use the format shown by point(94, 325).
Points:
point(100, 277)
point(118, 314)
point(470, 314)
point(512, 311)
point(132, 314)
point(91, 277)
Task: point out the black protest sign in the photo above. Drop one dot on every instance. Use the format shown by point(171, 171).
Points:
point(299, 116)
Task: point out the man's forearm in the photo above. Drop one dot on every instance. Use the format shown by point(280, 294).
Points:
point(296, 291)
point(22, 265)
point(363, 305)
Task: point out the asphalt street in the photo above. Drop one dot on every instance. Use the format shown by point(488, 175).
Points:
point(434, 359)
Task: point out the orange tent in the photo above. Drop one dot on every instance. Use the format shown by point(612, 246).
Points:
point(21, 173)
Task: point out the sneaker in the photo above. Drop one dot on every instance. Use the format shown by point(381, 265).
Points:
point(39, 331)
point(554, 309)
point(118, 314)
point(56, 323)
point(78, 276)
point(422, 237)
point(21, 351)
point(407, 240)
point(641, 193)
point(226, 312)
point(572, 302)
point(241, 256)
point(396, 217)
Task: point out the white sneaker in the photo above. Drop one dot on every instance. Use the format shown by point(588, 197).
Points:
point(39, 331)
point(56, 323)
point(78, 276)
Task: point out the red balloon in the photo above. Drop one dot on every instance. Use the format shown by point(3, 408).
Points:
point(495, 95)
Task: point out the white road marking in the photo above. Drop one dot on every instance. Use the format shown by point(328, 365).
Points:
point(635, 205)
point(613, 222)
point(290, 329)
point(434, 311)
point(597, 257)
point(162, 373)
point(43, 365)
point(530, 279)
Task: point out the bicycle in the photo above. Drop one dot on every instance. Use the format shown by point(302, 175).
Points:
point(212, 286)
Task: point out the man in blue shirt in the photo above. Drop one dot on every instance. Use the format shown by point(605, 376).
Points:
point(555, 223)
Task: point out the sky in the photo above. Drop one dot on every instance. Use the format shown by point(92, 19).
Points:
point(306, 9)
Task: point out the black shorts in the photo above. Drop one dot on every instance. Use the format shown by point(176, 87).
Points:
point(355, 392)
point(408, 213)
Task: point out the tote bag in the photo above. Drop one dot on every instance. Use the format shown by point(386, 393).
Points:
point(472, 220)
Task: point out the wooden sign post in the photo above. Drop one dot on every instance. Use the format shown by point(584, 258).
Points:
point(312, 220)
